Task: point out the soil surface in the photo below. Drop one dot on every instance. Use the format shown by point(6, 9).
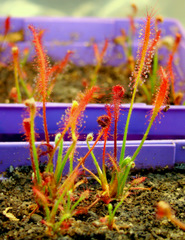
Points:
point(136, 218)
point(73, 80)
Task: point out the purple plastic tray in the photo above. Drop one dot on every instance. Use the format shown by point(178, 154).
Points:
point(65, 33)
point(169, 125)
point(154, 154)
point(165, 146)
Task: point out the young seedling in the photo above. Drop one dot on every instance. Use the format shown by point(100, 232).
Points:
point(18, 75)
point(110, 219)
point(122, 41)
point(15, 55)
point(126, 40)
point(99, 56)
point(56, 69)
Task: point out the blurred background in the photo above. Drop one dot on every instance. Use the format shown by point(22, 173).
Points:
point(99, 8)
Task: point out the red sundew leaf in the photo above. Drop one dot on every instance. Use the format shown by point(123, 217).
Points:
point(118, 93)
point(81, 211)
point(104, 121)
point(15, 53)
point(96, 52)
point(170, 64)
point(104, 49)
point(65, 225)
point(138, 180)
point(144, 50)
point(40, 34)
point(163, 209)
point(7, 25)
point(27, 128)
point(13, 94)
point(26, 51)
point(100, 55)
point(162, 92)
point(43, 68)
point(42, 62)
point(153, 46)
point(73, 117)
point(59, 67)
point(170, 69)
point(176, 43)
point(40, 196)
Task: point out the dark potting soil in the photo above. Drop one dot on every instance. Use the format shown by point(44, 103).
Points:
point(136, 218)
point(73, 80)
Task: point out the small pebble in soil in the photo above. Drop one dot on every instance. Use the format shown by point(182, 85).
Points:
point(36, 218)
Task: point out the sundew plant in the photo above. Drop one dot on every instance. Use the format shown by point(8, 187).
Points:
point(56, 195)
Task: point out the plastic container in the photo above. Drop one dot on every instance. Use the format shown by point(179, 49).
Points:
point(165, 145)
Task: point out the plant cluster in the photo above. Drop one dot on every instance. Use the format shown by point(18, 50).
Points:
point(55, 194)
